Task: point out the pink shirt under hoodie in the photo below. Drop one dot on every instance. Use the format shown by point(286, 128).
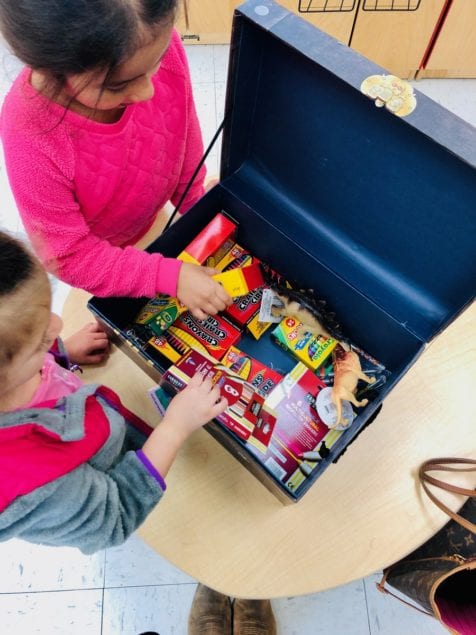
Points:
point(56, 382)
point(86, 190)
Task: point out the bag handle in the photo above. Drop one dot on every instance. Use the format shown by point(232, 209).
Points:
point(447, 464)
point(444, 464)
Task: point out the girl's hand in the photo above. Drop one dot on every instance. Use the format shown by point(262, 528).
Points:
point(90, 345)
point(197, 404)
point(197, 290)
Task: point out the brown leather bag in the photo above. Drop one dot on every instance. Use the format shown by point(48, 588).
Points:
point(440, 576)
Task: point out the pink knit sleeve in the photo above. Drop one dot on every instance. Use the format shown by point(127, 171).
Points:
point(43, 189)
point(194, 142)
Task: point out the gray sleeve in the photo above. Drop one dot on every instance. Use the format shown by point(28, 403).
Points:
point(86, 508)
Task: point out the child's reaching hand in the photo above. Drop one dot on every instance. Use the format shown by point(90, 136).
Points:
point(89, 345)
point(195, 405)
point(197, 290)
point(192, 408)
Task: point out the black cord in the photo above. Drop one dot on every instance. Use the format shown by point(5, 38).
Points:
point(194, 175)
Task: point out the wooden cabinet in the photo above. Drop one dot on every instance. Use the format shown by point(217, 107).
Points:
point(453, 53)
point(207, 21)
point(335, 17)
point(408, 38)
point(395, 34)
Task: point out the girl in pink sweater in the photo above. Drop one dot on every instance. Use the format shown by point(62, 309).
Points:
point(99, 131)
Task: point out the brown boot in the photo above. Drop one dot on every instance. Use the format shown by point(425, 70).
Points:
point(210, 613)
point(253, 617)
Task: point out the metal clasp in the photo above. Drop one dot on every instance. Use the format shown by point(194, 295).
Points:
point(390, 91)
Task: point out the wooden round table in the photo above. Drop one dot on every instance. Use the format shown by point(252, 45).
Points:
point(217, 523)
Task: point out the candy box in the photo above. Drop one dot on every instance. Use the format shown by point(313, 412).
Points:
point(262, 378)
point(298, 430)
point(240, 416)
point(178, 376)
point(371, 210)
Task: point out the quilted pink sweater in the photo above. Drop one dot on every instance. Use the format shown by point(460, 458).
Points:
point(86, 190)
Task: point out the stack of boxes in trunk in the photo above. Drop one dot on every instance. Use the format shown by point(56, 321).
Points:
point(271, 410)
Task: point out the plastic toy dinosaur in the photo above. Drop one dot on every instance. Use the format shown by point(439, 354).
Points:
point(347, 372)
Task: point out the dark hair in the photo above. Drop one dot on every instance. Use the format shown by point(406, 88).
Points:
point(66, 37)
point(24, 286)
point(16, 264)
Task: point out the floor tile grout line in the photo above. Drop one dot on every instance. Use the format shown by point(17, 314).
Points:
point(367, 605)
point(39, 591)
point(104, 575)
point(214, 65)
point(96, 588)
point(143, 586)
point(101, 626)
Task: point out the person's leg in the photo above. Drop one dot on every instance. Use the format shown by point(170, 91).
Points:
point(253, 617)
point(210, 613)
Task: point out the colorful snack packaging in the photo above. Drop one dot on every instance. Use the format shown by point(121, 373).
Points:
point(257, 374)
point(263, 430)
point(298, 428)
point(240, 416)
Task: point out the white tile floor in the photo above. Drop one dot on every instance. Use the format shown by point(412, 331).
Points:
point(131, 589)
